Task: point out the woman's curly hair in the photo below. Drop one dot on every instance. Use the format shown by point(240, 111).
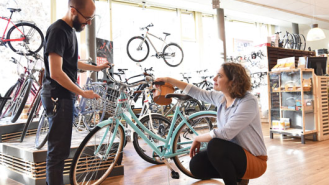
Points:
point(240, 80)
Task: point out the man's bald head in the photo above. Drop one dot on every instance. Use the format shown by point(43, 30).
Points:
point(79, 4)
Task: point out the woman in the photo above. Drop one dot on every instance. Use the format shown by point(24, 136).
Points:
point(236, 150)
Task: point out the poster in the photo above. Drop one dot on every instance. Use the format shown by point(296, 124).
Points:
point(104, 51)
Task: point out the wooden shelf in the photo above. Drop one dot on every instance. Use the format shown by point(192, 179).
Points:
point(289, 110)
point(274, 53)
point(291, 131)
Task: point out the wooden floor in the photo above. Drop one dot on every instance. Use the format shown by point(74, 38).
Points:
point(290, 163)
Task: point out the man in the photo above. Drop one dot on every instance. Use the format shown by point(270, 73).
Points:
point(59, 90)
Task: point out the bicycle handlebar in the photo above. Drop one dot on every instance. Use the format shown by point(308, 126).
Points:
point(146, 27)
point(14, 60)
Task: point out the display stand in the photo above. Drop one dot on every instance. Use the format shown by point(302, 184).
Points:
point(292, 100)
point(9, 130)
point(27, 165)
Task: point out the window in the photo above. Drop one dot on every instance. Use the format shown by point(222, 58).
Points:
point(188, 25)
point(126, 25)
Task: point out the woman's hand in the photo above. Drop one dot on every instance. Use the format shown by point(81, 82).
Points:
point(195, 148)
point(161, 79)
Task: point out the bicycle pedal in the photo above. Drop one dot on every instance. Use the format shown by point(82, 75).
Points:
point(174, 175)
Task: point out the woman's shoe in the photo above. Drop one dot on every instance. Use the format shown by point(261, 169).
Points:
point(243, 182)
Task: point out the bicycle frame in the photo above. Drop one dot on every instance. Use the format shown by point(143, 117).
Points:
point(148, 38)
point(9, 21)
point(166, 153)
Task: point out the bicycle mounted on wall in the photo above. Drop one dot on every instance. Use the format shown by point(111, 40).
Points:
point(138, 49)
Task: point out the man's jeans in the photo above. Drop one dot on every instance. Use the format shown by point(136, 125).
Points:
point(59, 137)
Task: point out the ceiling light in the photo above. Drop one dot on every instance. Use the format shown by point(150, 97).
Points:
point(315, 33)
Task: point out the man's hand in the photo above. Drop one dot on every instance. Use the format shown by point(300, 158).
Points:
point(90, 94)
point(195, 148)
point(104, 66)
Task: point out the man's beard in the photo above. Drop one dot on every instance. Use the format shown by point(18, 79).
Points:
point(77, 25)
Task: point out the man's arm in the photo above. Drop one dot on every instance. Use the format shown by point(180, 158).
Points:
point(57, 74)
point(89, 67)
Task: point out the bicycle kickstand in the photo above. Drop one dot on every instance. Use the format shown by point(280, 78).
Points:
point(174, 174)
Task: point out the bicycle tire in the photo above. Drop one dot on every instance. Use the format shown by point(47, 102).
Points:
point(23, 96)
point(129, 51)
point(33, 28)
point(303, 42)
point(185, 135)
point(31, 116)
point(8, 94)
point(42, 132)
point(86, 164)
point(173, 53)
point(297, 41)
point(142, 148)
point(289, 41)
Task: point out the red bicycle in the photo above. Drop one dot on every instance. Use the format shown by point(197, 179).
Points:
point(23, 35)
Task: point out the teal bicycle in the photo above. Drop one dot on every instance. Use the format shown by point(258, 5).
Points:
point(101, 149)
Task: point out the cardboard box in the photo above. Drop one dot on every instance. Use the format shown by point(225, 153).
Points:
point(282, 124)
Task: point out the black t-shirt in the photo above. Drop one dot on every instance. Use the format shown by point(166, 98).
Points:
point(60, 39)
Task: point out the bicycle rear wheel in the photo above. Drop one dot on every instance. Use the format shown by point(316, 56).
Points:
point(42, 131)
point(33, 113)
point(90, 165)
point(161, 124)
point(185, 136)
point(21, 100)
point(33, 41)
point(173, 55)
point(138, 49)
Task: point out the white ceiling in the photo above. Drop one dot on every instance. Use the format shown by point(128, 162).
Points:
point(275, 12)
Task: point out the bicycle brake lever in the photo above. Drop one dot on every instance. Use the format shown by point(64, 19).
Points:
point(158, 83)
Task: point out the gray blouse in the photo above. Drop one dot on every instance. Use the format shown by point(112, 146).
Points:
point(240, 123)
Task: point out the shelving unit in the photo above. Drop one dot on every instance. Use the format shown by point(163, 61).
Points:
point(290, 98)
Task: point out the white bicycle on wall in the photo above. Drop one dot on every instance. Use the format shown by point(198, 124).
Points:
point(138, 49)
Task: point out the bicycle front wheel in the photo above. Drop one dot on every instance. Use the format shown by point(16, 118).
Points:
point(42, 131)
point(161, 125)
point(138, 49)
point(185, 136)
point(90, 164)
point(33, 38)
point(21, 100)
point(33, 114)
point(173, 55)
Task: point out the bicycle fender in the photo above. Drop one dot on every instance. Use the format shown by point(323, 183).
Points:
point(190, 117)
point(110, 121)
point(173, 43)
